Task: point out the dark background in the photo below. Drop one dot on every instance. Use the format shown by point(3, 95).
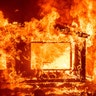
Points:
point(19, 10)
point(23, 10)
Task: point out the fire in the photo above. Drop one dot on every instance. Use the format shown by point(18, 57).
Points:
point(3, 22)
point(84, 11)
point(2, 60)
point(49, 40)
point(49, 55)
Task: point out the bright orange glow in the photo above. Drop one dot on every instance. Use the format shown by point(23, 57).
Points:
point(50, 55)
point(3, 22)
point(2, 60)
point(47, 29)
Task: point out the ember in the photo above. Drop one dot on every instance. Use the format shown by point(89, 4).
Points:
point(53, 55)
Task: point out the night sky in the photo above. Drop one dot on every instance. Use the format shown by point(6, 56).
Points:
point(19, 10)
